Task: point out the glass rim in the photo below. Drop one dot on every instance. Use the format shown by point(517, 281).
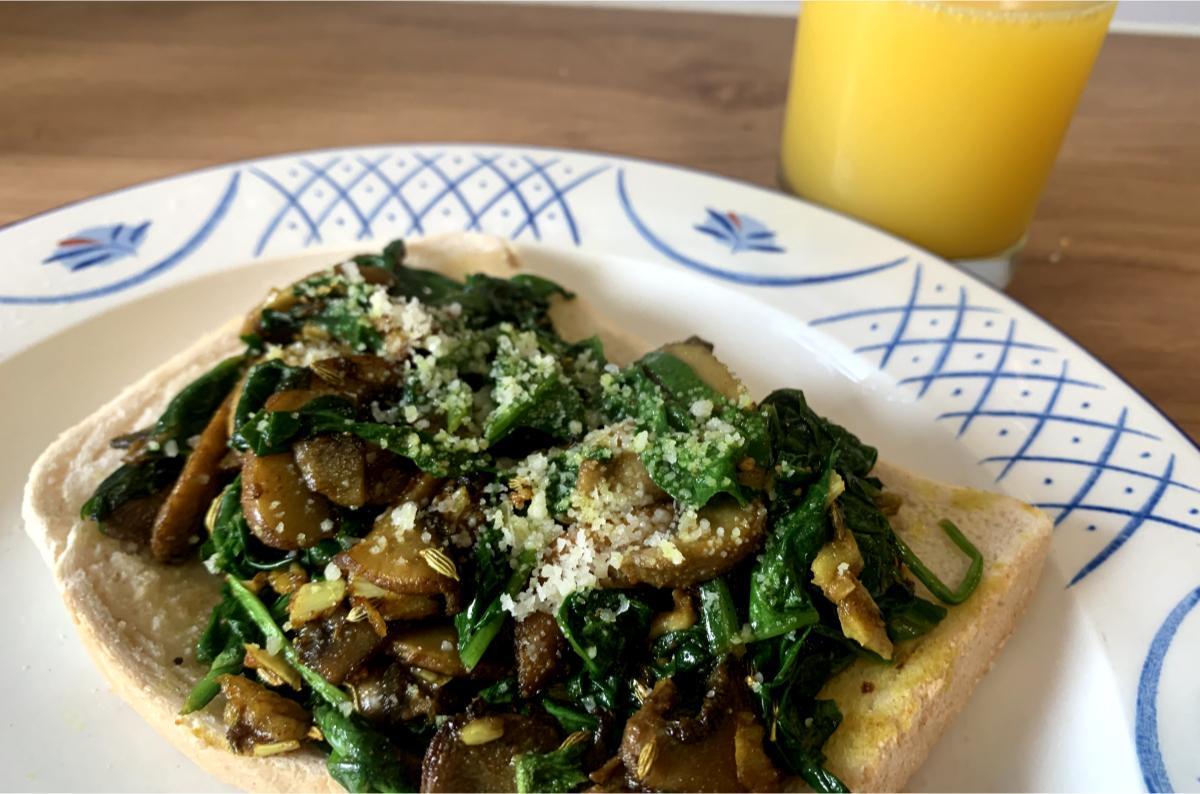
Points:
point(1026, 10)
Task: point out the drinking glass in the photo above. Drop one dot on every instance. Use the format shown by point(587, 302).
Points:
point(937, 121)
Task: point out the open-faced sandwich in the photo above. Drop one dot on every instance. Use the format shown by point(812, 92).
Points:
point(423, 521)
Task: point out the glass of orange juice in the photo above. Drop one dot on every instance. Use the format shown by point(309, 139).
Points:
point(937, 121)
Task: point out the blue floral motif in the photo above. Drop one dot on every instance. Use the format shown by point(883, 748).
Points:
point(98, 245)
point(739, 232)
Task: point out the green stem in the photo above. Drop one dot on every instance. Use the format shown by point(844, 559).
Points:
point(935, 585)
point(228, 661)
point(261, 616)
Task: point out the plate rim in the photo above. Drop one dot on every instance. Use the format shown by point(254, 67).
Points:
point(741, 183)
point(1076, 350)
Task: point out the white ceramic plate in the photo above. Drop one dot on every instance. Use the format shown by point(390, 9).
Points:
point(1096, 691)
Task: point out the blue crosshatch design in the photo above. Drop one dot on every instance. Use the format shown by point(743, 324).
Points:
point(500, 193)
point(950, 357)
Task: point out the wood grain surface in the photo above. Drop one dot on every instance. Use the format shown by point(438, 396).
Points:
point(99, 96)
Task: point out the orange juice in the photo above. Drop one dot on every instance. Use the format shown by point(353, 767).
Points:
point(938, 121)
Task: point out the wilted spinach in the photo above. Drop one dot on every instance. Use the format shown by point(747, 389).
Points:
point(556, 771)
point(691, 453)
point(361, 758)
point(153, 470)
point(600, 625)
point(222, 647)
point(780, 601)
point(479, 623)
point(190, 410)
point(263, 380)
point(267, 432)
point(130, 481)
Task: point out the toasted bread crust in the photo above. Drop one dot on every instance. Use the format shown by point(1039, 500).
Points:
point(136, 617)
point(892, 716)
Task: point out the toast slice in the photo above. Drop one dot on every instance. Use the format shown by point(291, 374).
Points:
point(136, 618)
point(893, 715)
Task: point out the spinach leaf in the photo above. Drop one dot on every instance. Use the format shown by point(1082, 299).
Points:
point(190, 410)
point(427, 286)
point(184, 417)
point(718, 617)
point(485, 301)
point(800, 742)
point(361, 758)
point(263, 380)
point(556, 771)
point(804, 441)
point(522, 300)
point(609, 692)
point(563, 474)
point(874, 535)
point(130, 481)
point(503, 692)
point(908, 616)
point(600, 624)
point(680, 652)
point(789, 672)
point(390, 259)
point(227, 662)
point(222, 646)
point(347, 320)
point(779, 596)
point(479, 623)
point(531, 390)
point(441, 455)
point(332, 302)
point(351, 528)
point(697, 439)
point(571, 719)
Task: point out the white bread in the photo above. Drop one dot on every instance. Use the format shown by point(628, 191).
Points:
point(137, 618)
point(888, 731)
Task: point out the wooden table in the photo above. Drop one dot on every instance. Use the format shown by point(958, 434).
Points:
point(96, 97)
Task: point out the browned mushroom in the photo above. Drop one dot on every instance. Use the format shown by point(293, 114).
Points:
point(622, 482)
point(681, 616)
point(835, 570)
point(391, 694)
point(539, 646)
point(177, 526)
point(430, 646)
point(664, 751)
point(471, 753)
point(134, 520)
point(403, 553)
point(260, 721)
point(295, 399)
point(754, 768)
point(335, 467)
point(334, 646)
point(394, 606)
point(280, 509)
point(722, 535)
point(358, 376)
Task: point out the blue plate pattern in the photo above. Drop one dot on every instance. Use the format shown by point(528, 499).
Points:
point(1056, 428)
point(98, 245)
